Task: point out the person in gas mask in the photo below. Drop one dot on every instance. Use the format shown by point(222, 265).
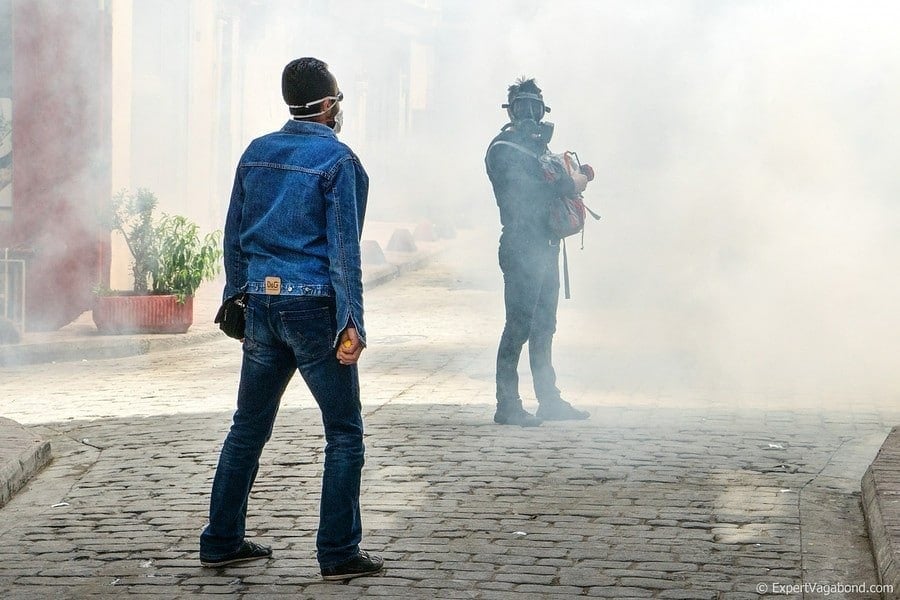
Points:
point(529, 255)
point(293, 294)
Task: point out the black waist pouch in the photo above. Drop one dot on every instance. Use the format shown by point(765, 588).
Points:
point(231, 318)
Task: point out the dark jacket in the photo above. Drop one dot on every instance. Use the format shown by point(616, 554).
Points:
point(523, 190)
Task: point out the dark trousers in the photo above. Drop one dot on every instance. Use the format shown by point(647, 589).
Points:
point(285, 334)
point(531, 296)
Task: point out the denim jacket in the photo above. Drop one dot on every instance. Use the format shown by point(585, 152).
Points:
point(296, 214)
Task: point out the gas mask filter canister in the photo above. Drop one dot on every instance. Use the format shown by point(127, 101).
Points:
point(542, 131)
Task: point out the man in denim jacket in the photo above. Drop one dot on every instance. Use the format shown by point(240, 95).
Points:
point(292, 245)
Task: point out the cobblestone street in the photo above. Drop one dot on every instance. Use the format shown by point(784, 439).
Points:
point(666, 492)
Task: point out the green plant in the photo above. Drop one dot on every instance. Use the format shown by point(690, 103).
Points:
point(102, 290)
point(184, 259)
point(131, 214)
point(169, 256)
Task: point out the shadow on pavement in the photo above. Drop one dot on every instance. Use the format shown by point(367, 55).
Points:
point(633, 503)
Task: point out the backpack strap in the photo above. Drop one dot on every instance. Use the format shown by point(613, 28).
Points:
point(566, 268)
point(518, 147)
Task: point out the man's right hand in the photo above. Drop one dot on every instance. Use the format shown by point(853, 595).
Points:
point(588, 171)
point(349, 347)
point(580, 180)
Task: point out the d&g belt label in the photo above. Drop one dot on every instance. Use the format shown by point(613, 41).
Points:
point(273, 286)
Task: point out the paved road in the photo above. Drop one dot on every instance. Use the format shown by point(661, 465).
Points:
point(671, 490)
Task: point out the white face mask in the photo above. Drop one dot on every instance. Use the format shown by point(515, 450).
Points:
point(338, 120)
point(338, 98)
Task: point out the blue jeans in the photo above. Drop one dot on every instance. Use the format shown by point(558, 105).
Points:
point(284, 333)
point(531, 296)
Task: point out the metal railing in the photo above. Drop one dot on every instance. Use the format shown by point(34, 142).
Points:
point(12, 289)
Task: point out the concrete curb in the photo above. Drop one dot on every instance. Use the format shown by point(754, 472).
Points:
point(99, 348)
point(24, 453)
point(881, 506)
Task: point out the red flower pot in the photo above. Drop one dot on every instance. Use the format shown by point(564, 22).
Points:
point(158, 313)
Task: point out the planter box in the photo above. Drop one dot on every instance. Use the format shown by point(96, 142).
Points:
point(143, 314)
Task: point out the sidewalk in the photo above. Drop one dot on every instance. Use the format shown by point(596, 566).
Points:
point(80, 339)
point(22, 454)
point(881, 505)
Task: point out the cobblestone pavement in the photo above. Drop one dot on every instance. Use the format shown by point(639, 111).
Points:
point(664, 493)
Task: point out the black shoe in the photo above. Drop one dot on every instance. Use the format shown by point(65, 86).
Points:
point(248, 551)
point(360, 565)
point(560, 410)
point(515, 415)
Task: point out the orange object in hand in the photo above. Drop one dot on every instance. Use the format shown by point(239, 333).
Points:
point(347, 344)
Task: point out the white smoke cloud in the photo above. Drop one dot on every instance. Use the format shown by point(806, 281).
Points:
point(744, 150)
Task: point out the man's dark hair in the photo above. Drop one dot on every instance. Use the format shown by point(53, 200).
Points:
point(304, 80)
point(522, 86)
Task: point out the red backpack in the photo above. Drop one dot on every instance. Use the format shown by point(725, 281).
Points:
point(567, 214)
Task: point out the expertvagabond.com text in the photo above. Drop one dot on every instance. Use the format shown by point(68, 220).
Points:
point(824, 589)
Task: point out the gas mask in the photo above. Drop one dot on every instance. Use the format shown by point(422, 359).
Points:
point(526, 111)
point(542, 131)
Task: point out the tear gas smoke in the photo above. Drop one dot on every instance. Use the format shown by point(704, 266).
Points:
point(744, 154)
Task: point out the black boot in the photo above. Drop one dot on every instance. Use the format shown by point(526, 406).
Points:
point(512, 413)
point(558, 409)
